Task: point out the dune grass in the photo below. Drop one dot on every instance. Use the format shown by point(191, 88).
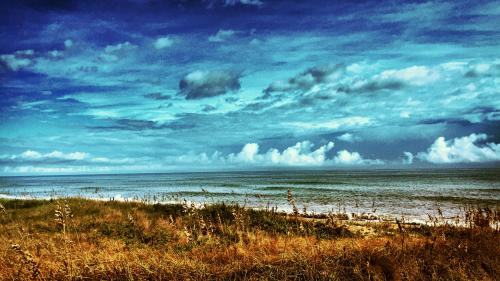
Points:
point(78, 239)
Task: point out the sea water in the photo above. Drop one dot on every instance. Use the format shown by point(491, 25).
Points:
point(412, 194)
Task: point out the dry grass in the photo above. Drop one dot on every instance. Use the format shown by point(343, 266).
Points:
point(78, 239)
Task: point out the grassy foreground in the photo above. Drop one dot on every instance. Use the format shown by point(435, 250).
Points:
point(77, 239)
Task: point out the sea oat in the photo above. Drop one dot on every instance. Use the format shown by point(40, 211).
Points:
point(62, 215)
point(291, 201)
point(27, 260)
point(188, 234)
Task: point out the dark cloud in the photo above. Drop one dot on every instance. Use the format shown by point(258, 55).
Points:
point(257, 106)
point(184, 121)
point(204, 84)
point(129, 125)
point(157, 96)
point(483, 70)
point(208, 108)
point(457, 121)
point(307, 79)
point(373, 86)
point(231, 99)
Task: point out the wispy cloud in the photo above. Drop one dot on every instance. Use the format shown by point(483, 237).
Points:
point(222, 35)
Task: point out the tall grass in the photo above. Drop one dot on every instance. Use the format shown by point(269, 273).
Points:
point(77, 239)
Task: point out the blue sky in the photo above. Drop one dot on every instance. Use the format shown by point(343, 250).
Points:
point(152, 86)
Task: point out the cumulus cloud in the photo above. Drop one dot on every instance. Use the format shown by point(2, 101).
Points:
point(203, 84)
point(18, 60)
point(222, 35)
point(163, 42)
point(408, 158)
point(344, 157)
point(467, 149)
point(348, 137)
point(307, 79)
point(394, 80)
point(302, 154)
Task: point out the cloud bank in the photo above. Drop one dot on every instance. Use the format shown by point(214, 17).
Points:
point(302, 154)
point(33, 157)
point(468, 149)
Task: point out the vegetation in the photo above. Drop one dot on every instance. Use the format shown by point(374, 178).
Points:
point(78, 239)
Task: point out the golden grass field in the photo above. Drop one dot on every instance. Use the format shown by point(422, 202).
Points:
point(78, 239)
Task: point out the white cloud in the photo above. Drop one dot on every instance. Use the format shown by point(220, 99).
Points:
point(56, 54)
point(415, 75)
point(34, 162)
point(353, 121)
point(119, 47)
point(301, 154)
point(408, 158)
point(17, 60)
point(35, 155)
point(222, 35)
point(115, 52)
point(344, 157)
point(461, 150)
point(248, 153)
point(68, 43)
point(54, 157)
point(163, 42)
point(394, 79)
point(348, 137)
point(30, 154)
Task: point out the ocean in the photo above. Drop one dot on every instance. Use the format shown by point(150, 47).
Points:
point(409, 194)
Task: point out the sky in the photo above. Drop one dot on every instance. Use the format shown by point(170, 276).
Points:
point(159, 86)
